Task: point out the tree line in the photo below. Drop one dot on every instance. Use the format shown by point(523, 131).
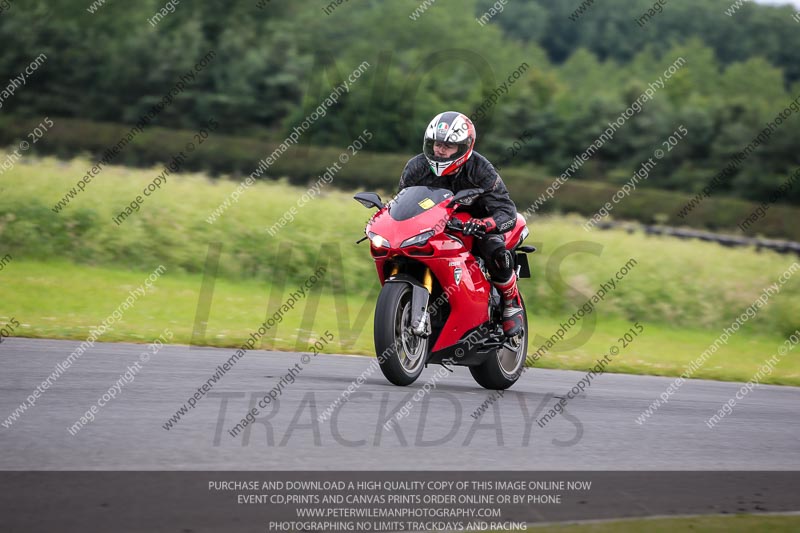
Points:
point(276, 62)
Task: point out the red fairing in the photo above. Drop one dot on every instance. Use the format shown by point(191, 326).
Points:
point(445, 253)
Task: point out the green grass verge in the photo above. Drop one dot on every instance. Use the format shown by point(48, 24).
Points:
point(700, 524)
point(693, 285)
point(65, 301)
point(68, 271)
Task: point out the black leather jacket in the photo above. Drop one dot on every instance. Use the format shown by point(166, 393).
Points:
point(477, 172)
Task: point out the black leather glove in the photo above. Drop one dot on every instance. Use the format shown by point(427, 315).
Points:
point(479, 226)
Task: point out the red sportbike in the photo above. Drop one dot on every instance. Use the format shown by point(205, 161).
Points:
point(437, 305)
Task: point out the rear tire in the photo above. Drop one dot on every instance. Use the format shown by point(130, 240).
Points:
point(401, 354)
point(503, 368)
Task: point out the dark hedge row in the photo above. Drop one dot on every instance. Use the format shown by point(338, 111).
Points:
point(239, 156)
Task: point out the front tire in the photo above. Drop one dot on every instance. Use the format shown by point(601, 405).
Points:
point(503, 369)
point(401, 354)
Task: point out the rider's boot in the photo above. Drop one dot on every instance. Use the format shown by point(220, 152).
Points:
point(512, 306)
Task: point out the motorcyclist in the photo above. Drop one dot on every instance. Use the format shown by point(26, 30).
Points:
point(448, 161)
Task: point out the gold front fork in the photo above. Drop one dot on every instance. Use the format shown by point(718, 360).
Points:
point(427, 280)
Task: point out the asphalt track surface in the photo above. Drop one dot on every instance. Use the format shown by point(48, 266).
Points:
point(439, 432)
point(125, 472)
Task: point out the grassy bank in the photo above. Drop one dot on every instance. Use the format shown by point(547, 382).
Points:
point(65, 272)
point(63, 300)
point(684, 284)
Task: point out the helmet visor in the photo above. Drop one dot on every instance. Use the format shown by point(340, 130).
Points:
point(431, 147)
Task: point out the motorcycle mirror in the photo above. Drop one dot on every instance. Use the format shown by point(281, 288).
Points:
point(369, 200)
point(466, 197)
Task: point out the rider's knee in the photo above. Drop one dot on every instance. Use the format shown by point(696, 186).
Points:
point(503, 262)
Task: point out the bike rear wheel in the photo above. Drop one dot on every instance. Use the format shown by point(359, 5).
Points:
point(504, 368)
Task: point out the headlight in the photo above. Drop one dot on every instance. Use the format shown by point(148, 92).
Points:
point(417, 240)
point(378, 241)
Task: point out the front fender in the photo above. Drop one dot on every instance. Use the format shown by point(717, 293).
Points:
point(419, 297)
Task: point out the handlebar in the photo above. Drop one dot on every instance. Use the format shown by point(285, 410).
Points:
point(455, 224)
